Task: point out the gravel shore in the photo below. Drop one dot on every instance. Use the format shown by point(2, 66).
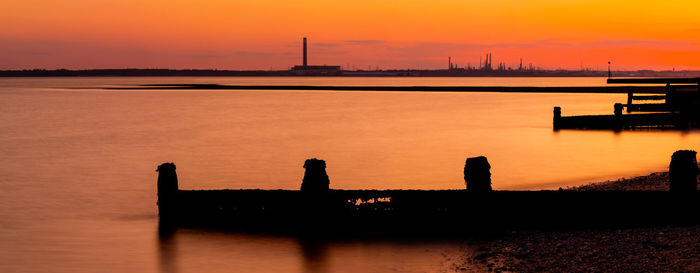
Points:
point(652, 182)
point(646, 249)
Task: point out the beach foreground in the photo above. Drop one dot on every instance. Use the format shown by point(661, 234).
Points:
point(642, 249)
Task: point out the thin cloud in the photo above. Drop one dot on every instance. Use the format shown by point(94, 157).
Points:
point(326, 44)
point(240, 53)
point(364, 42)
point(643, 43)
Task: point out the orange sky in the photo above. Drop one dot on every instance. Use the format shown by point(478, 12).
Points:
point(79, 34)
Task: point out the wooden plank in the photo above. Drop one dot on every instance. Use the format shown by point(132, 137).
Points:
point(649, 107)
point(651, 97)
point(588, 122)
point(610, 122)
point(452, 211)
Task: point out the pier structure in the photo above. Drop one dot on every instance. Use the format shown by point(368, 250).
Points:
point(317, 208)
point(679, 107)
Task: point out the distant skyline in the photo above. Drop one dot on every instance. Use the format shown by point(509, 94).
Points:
point(240, 35)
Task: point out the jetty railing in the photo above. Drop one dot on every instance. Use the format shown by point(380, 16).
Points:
point(680, 108)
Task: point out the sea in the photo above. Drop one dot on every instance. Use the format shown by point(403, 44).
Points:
point(78, 160)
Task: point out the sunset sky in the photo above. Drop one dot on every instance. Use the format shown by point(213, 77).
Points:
point(227, 34)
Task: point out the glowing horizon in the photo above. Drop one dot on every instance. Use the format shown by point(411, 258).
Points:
point(217, 34)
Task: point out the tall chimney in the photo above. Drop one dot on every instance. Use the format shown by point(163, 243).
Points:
point(490, 61)
point(304, 51)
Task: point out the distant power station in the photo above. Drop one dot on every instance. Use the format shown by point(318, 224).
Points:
point(306, 69)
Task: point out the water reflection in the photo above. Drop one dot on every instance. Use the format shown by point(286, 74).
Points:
point(167, 249)
point(314, 255)
point(371, 140)
point(207, 250)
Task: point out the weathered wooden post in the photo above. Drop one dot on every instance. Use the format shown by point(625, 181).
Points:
point(167, 189)
point(315, 204)
point(683, 171)
point(557, 118)
point(619, 122)
point(477, 174)
point(630, 96)
point(315, 177)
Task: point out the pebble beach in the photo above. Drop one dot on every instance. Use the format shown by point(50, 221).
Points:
point(642, 249)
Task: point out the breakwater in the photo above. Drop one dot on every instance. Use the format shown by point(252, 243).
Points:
point(678, 109)
point(316, 208)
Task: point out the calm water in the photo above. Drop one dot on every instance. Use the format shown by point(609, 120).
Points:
point(77, 163)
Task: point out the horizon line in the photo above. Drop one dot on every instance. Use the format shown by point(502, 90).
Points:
point(474, 69)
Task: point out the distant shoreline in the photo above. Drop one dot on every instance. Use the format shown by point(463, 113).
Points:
point(500, 89)
point(339, 73)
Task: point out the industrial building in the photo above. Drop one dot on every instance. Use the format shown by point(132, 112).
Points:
point(315, 70)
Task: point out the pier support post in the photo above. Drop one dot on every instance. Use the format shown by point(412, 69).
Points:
point(315, 177)
point(167, 189)
point(315, 206)
point(619, 122)
point(630, 96)
point(683, 171)
point(556, 124)
point(477, 174)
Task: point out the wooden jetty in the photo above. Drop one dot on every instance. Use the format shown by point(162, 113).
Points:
point(679, 107)
point(335, 211)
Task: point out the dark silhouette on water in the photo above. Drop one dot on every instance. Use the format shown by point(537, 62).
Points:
point(556, 121)
point(680, 108)
point(477, 174)
point(500, 89)
point(319, 210)
point(315, 178)
point(683, 172)
point(167, 189)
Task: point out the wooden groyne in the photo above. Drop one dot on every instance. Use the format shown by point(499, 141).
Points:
point(620, 121)
point(317, 208)
point(679, 108)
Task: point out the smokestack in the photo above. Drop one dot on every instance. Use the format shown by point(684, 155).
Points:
point(490, 61)
point(304, 51)
point(521, 64)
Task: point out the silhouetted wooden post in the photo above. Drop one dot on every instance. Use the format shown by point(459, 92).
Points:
point(477, 174)
point(683, 171)
point(315, 203)
point(630, 95)
point(557, 118)
point(167, 189)
point(315, 177)
point(619, 122)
